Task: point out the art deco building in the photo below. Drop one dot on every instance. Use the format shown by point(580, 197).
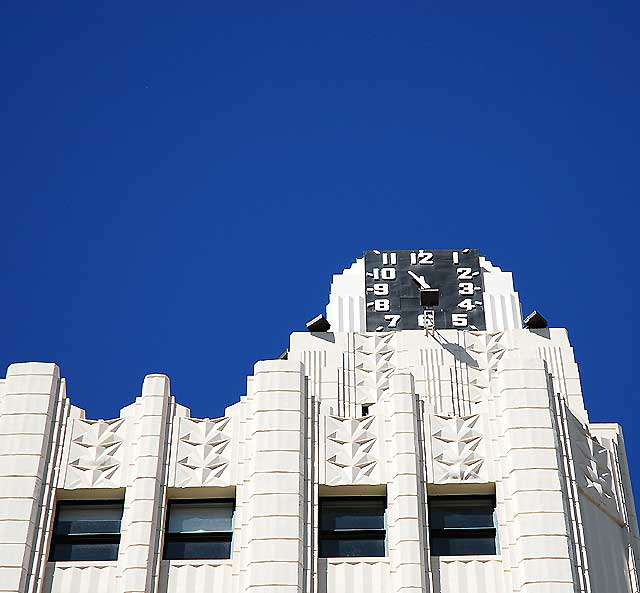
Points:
point(375, 456)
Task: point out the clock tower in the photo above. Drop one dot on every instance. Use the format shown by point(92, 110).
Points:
point(380, 292)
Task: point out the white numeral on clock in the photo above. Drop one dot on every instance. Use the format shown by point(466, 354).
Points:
point(464, 274)
point(381, 305)
point(384, 273)
point(428, 318)
point(392, 319)
point(466, 304)
point(422, 257)
point(459, 320)
point(465, 288)
point(381, 289)
point(389, 259)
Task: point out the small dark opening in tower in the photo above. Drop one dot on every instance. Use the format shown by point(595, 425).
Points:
point(365, 410)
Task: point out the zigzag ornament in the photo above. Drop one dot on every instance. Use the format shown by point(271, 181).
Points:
point(350, 450)
point(488, 347)
point(200, 452)
point(94, 459)
point(374, 365)
point(456, 449)
point(594, 472)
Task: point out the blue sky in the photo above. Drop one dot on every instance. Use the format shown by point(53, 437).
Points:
point(180, 181)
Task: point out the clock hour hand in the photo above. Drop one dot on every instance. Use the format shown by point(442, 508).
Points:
point(419, 280)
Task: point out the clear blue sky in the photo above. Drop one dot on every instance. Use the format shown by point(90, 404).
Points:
point(179, 182)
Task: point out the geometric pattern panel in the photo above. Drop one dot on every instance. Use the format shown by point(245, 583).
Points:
point(457, 449)
point(489, 348)
point(351, 451)
point(374, 364)
point(203, 456)
point(95, 456)
point(592, 464)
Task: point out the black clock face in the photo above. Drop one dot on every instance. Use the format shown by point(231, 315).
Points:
point(392, 289)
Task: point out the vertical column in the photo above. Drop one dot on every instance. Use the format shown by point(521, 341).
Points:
point(534, 504)
point(276, 498)
point(145, 496)
point(27, 411)
point(406, 504)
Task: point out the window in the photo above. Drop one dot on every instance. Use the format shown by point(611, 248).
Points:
point(199, 529)
point(462, 525)
point(86, 531)
point(352, 526)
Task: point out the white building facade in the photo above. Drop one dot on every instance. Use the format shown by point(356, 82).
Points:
point(388, 461)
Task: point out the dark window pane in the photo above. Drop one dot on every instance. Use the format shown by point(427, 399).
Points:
point(205, 517)
point(84, 551)
point(340, 514)
point(80, 527)
point(82, 519)
point(462, 525)
point(462, 546)
point(336, 548)
point(461, 519)
point(196, 550)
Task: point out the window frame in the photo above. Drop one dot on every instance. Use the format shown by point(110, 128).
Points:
point(464, 533)
point(352, 534)
point(84, 538)
point(201, 536)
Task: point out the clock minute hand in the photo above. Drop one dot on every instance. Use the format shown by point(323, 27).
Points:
point(421, 282)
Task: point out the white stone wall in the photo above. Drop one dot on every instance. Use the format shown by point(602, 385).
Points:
point(465, 412)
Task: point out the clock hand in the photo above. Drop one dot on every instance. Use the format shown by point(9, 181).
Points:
point(420, 281)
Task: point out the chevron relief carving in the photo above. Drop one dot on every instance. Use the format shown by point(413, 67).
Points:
point(593, 469)
point(374, 365)
point(95, 453)
point(489, 348)
point(202, 459)
point(351, 450)
point(478, 383)
point(457, 449)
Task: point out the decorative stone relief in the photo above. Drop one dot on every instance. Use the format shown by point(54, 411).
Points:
point(374, 365)
point(351, 450)
point(95, 456)
point(488, 347)
point(457, 449)
point(592, 466)
point(201, 457)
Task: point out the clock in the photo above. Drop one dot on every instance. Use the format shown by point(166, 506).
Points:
point(393, 280)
